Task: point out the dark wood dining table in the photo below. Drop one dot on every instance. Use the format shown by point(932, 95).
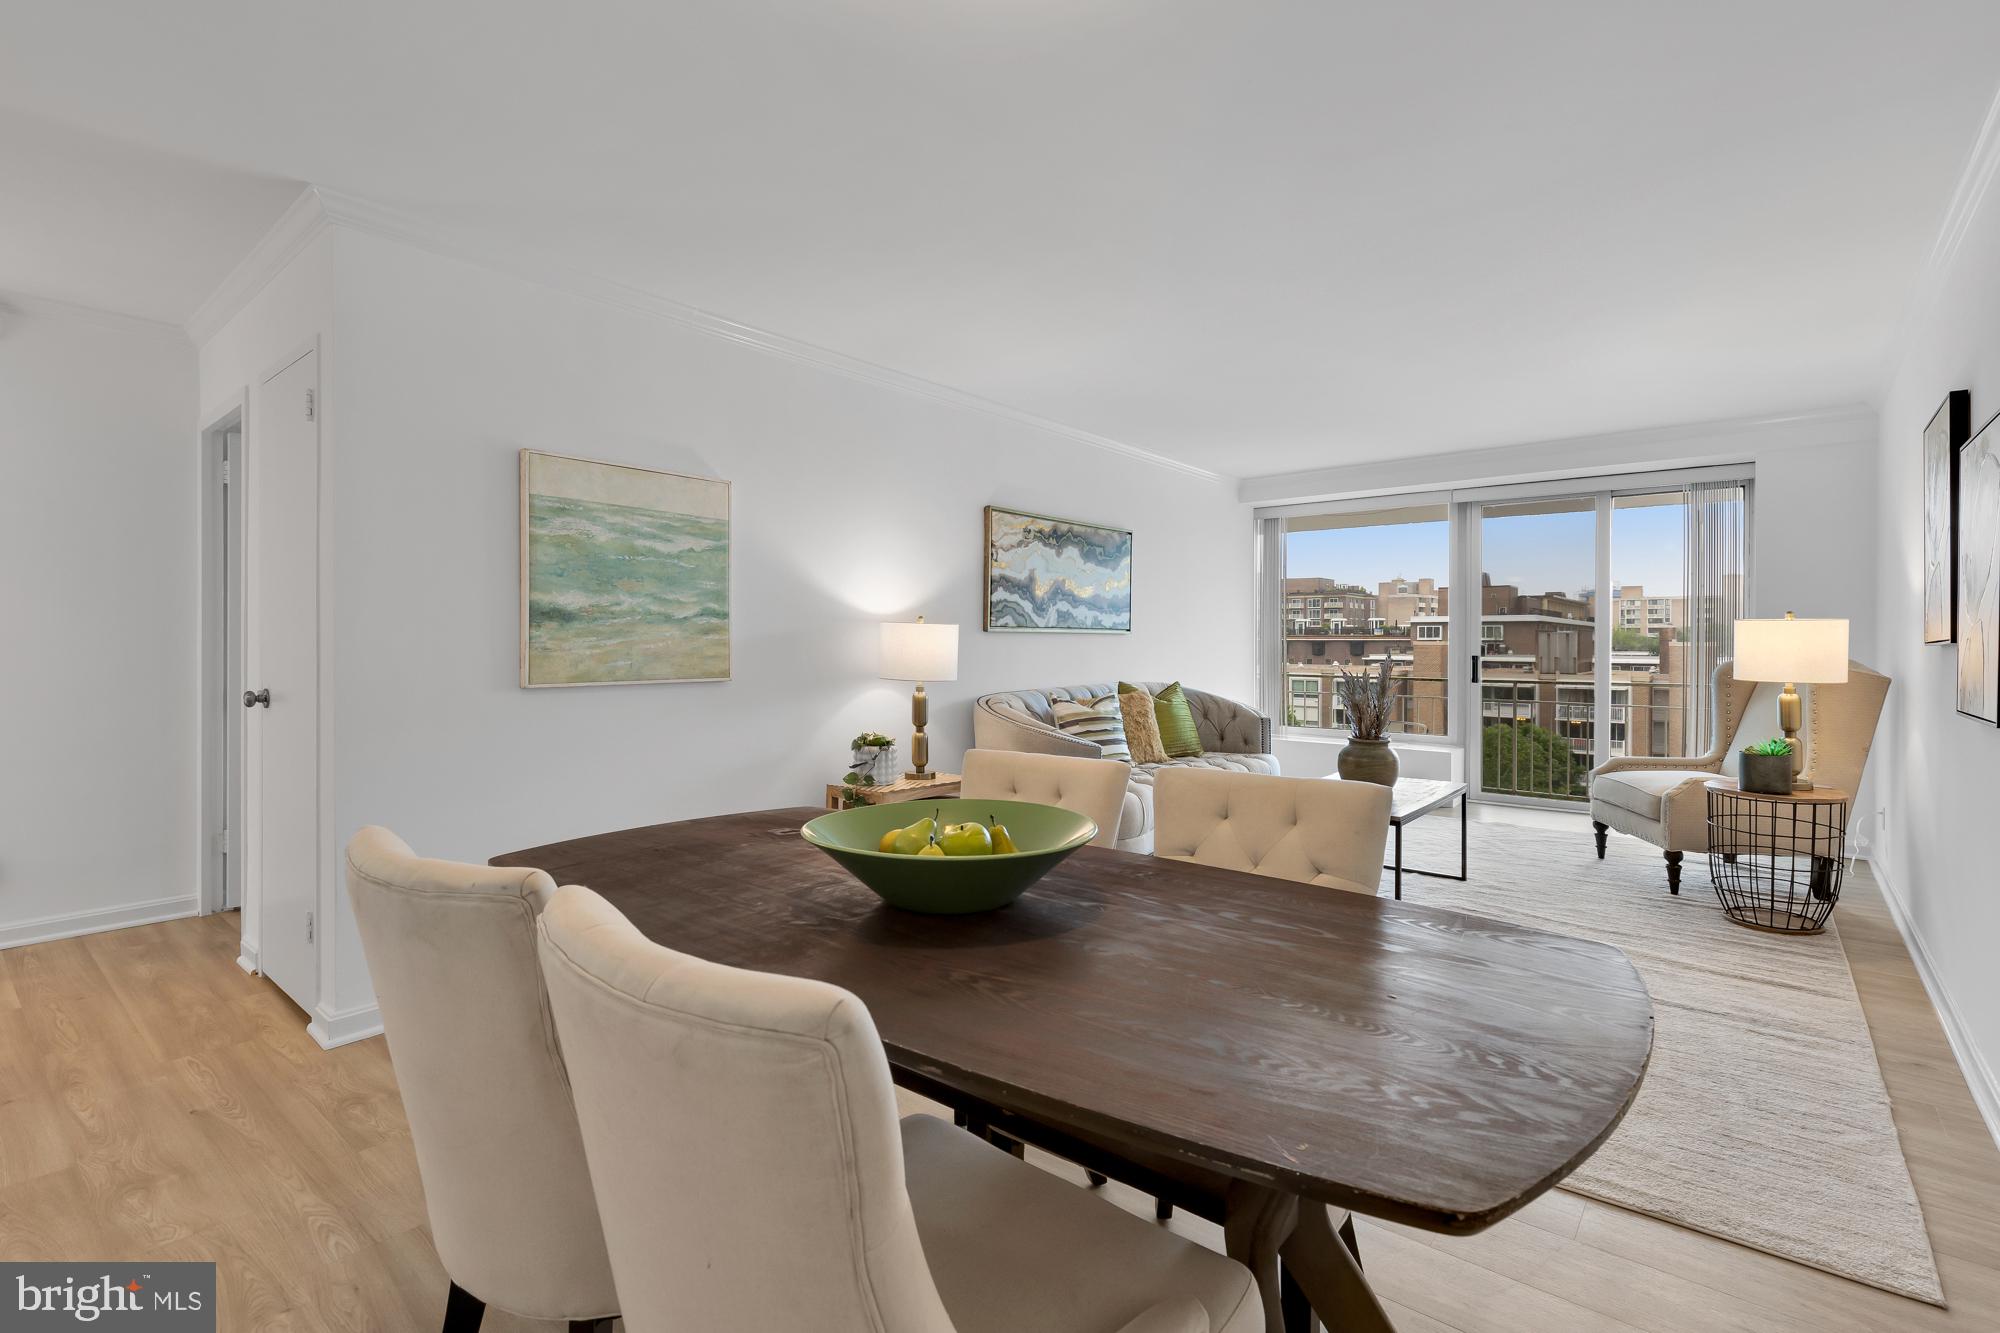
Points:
point(1304, 1047)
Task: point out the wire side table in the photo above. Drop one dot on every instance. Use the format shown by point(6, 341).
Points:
point(1777, 861)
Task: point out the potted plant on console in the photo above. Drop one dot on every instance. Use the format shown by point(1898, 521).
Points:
point(1366, 696)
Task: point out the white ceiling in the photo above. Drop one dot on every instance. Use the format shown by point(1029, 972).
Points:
point(98, 222)
point(1253, 236)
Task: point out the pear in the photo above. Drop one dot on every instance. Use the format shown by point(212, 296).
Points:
point(931, 849)
point(913, 838)
point(1003, 841)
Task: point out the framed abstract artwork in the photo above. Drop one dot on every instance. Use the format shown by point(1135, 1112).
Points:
point(1979, 575)
point(1056, 574)
point(1943, 438)
point(624, 574)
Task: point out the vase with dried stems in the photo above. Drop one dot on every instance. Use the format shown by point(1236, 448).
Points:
point(1367, 696)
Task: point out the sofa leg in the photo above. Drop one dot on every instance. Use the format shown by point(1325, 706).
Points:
point(1600, 830)
point(1673, 872)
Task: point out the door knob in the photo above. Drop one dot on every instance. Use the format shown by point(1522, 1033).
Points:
point(251, 698)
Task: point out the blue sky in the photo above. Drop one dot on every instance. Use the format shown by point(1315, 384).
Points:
point(1541, 553)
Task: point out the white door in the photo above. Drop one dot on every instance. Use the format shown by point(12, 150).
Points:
point(281, 686)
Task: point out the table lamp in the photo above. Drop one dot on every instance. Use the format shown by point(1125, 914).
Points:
point(919, 652)
point(1808, 652)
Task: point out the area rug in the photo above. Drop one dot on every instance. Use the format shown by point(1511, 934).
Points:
point(1763, 1118)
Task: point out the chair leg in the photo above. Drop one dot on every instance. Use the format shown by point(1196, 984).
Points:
point(462, 1311)
point(591, 1325)
point(1162, 1211)
point(1600, 830)
point(1673, 872)
point(1292, 1301)
point(1096, 1178)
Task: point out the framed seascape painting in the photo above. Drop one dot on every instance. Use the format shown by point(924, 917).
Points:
point(1979, 575)
point(1942, 441)
point(1056, 574)
point(624, 574)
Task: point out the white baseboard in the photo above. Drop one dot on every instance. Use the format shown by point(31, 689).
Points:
point(1979, 1077)
point(246, 957)
point(70, 924)
point(332, 1029)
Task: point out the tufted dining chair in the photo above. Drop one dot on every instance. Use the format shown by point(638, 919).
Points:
point(741, 1128)
point(452, 951)
point(1093, 787)
point(1305, 829)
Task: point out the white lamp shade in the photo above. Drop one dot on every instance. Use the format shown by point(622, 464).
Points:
point(919, 651)
point(1801, 652)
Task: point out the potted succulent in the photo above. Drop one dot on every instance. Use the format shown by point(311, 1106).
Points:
point(1766, 767)
point(875, 762)
point(1367, 696)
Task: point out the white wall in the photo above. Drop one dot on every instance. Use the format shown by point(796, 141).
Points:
point(1940, 771)
point(98, 623)
point(853, 503)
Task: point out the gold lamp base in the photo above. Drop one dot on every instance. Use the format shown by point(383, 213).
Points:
point(1791, 721)
point(920, 744)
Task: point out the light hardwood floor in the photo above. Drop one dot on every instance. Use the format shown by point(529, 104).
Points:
point(155, 1102)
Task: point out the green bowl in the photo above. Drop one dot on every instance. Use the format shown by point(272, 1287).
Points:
point(950, 885)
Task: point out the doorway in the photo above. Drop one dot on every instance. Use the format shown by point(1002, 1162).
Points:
point(219, 463)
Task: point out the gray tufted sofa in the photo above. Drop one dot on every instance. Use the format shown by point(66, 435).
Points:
point(1235, 736)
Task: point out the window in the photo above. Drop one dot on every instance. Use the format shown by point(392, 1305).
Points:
point(1490, 632)
point(1343, 561)
point(1303, 709)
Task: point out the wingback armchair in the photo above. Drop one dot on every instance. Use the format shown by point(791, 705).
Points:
point(1662, 799)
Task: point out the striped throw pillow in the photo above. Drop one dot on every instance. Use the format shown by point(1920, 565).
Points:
point(1098, 721)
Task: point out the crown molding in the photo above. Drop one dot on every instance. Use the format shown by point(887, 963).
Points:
point(318, 207)
point(1694, 444)
point(46, 307)
point(1975, 180)
point(291, 233)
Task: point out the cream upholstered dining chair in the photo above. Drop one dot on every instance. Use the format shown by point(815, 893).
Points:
point(1306, 829)
point(1663, 799)
point(741, 1128)
point(1093, 787)
point(452, 951)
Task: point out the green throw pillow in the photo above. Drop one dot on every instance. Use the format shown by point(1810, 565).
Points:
point(1098, 721)
point(1177, 730)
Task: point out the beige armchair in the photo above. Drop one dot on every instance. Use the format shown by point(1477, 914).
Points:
point(741, 1129)
point(1093, 787)
point(1306, 829)
point(1663, 799)
point(452, 951)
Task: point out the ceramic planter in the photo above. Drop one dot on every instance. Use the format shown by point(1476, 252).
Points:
point(1368, 761)
point(1766, 774)
point(877, 761)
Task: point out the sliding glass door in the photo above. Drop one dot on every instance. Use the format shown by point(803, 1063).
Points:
point(1593, 642)
point(1539, 724)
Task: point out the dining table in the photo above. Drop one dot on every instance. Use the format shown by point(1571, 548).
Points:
point(1285, 1051)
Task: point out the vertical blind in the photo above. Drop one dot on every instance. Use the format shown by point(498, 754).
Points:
point(1716, 551)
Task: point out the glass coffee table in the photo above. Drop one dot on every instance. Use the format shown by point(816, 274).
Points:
point(1410, 800)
